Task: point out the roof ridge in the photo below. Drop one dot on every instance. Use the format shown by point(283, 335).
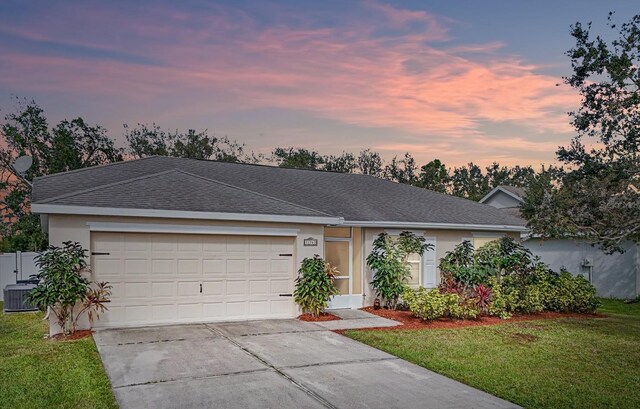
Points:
point(253, 192)
point(104, 165)
point(121, 182)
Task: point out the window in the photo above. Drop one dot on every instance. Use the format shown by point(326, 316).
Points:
point(415, 261)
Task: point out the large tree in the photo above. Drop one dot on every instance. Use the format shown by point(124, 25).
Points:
point(434, 176)
point(149, 140)
point(299, 158)
point(596, 195)
point(69, 145)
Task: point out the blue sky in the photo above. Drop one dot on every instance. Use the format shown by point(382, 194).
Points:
point(456, 80)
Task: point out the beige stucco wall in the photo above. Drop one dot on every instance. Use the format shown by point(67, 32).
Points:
point(446, 240)
point(75, 228)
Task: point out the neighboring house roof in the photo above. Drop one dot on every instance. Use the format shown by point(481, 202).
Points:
point(517, 193)
point(209, 186)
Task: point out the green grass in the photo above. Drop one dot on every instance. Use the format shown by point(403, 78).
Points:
point(40, 373)
point(562, 363)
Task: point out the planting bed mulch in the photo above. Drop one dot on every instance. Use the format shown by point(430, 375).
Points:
point(325, 316)
point(71, 337)
point(410, 321)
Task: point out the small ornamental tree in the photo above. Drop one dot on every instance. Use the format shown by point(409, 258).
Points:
point(315, 285)
point(62, 286)
point(388, 260)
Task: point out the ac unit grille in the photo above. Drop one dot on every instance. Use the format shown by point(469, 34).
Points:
point(15, 298)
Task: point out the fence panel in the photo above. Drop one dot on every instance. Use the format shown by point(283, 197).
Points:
point(16, 266)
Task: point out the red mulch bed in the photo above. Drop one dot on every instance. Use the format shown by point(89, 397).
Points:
point(84, 333)
point(410, 321)
point(325, 316)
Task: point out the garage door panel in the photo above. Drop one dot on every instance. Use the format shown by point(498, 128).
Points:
point(188, 288)
point(189, 266)
point(162, 278)
point(280, 267)
point(235, 287)
point(135, 243)
point(236, 266)
point(163, 289)
point(108, 267)
point(280, 286)
point(137, 313)
point(237, 309)
point(259, 287)
point(166, 243)
point(163, 266)
point(213, 288)
point(214, 310)
point(137, 290)
point(134, 266)
point(259, 307)
point(259, 266)
point(279, 307)
point(214, 266)
point(193, 310)
point(237, 244)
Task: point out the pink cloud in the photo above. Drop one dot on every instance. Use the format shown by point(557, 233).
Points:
point(408, 81)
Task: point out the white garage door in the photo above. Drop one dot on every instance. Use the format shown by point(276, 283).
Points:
point(167, 278)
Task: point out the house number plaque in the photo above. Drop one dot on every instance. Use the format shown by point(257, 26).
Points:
point(310, 242)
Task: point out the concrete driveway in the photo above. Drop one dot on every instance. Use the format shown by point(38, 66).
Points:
point(269, 364)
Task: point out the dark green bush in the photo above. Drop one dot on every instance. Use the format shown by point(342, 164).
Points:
point(314, 285)
point(567, 293)
point(388, 260)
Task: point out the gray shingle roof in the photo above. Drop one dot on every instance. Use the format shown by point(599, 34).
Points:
point(354, 197)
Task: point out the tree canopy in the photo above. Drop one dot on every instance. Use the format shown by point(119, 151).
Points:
point(596, 195)
point(71, 144)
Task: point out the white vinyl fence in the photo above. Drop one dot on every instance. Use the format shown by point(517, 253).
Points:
point(16, 266)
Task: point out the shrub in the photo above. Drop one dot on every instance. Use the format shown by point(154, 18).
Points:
point(482, 296)
point(462, 309)
point(388, 260)
point(567, 293)
point(427, 304)
point(61, 286)
point(432, 304)
point(314, 285)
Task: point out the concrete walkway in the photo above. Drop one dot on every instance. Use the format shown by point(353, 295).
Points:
point(269, 364)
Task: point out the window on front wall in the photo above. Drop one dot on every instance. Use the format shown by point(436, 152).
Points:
point(479, 239)
point(414, 265)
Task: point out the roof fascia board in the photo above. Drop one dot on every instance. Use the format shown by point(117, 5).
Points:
point(180, 214)
point(451, 226)
point(189, 229)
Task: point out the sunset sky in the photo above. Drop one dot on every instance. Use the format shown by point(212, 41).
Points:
point(456, 80)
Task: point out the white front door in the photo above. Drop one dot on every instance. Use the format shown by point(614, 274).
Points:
point(172, 278)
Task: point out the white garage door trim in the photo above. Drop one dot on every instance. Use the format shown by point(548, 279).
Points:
point(189, 229)
point(166, 278)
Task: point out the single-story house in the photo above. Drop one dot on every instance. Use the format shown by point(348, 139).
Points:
point(614, 275)
point(185, 240)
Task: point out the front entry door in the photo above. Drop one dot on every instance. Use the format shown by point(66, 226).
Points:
point(339, 254)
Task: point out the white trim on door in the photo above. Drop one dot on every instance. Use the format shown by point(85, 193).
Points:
point(345, 300)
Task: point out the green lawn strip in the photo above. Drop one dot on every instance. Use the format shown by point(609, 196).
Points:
point(40, 373)
point(562, 363)
point(612, 306)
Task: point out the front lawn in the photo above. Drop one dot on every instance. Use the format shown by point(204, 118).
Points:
point(40, 373)
point(560, 363)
